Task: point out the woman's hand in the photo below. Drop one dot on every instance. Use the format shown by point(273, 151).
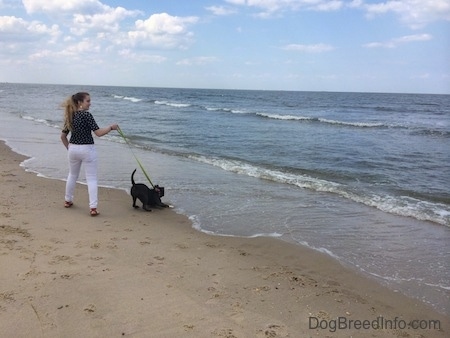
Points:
point(64, 140)
point(103, 131)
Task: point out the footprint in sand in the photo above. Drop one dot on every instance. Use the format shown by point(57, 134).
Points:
point(95, 245)
point(68, 276)
point(90, 308)
point(323, 315)
point(212, 245)
point(188, 327)
point(7, 297)
point(61, 259)
point(274, 330)
point(243, 253)
point(9, 230)
point(228, 333)
point(96, 258)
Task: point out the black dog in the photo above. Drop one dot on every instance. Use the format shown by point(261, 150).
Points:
point(148, 197)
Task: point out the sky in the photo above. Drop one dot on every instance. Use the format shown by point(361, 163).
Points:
point(391, 46)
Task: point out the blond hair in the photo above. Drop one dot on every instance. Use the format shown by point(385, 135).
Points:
point(70, 106)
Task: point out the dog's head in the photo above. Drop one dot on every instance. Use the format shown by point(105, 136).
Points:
point(159, 190)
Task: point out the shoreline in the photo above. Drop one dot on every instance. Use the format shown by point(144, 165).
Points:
point(132, 273)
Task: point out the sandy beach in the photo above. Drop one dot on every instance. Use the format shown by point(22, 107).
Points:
point(130, 273)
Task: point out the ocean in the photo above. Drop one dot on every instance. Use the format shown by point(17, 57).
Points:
point(362, 177)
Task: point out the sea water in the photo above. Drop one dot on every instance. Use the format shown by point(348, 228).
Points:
point(363, 177)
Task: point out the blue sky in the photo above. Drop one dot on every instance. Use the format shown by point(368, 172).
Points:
point(398, 46)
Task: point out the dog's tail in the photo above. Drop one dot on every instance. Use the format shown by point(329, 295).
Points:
point(132, 177)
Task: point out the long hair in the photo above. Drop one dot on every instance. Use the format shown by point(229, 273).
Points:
point(70, 106)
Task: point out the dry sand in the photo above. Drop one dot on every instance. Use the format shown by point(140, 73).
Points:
point(130, 273)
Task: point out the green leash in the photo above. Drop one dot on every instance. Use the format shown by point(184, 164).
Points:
point(137, 160)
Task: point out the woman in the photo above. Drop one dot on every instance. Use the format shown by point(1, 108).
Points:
point(81, 150)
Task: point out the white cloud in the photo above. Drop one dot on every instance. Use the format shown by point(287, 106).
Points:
point(41, 55)
point(236, 2)
point(414, 13)
point(85, 49)
point(197, 61)
point(81, 16)
point(328, 6)
point(355, 4)
point(317, 48)
point(220, 10)
point(79, 48)
point(412, 38)
point(106, 20)
point(129, 54)
point(21, 37)
point(13, 28)
point(162, 31)
point(58, 6)
point(271, 7)
point(91, 29)
point(378, 45)
point(393, 43)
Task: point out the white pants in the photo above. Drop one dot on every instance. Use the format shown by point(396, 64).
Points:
point(85, 154)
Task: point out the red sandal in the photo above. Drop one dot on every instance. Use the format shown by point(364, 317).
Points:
point(94, 212)
point(67, 204)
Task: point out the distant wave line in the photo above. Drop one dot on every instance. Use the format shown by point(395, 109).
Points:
point(322, 120)
point(173, 104)
point(128, 98)
point(226, 110)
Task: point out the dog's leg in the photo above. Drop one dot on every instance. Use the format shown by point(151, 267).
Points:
point(146, 208)
point(134, 203)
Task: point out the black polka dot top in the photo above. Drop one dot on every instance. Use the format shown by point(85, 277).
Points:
point(82, 126)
